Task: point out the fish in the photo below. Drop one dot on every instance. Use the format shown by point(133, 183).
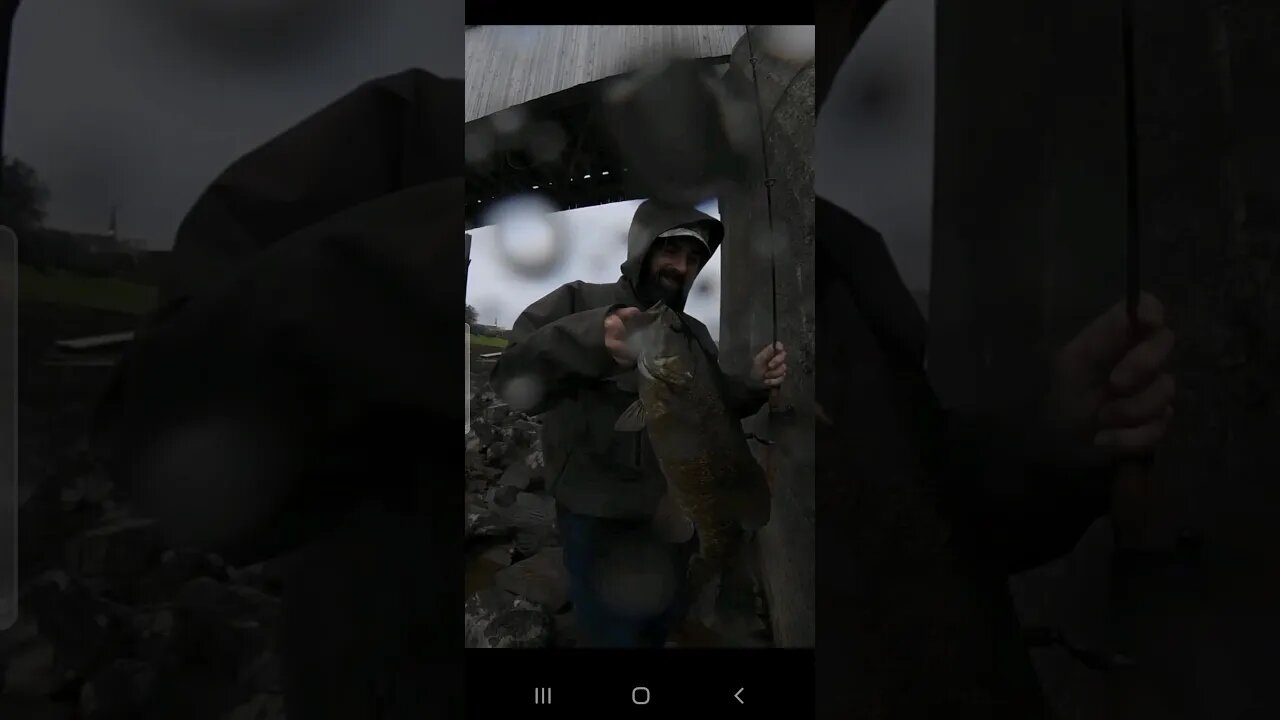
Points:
point(716, 490)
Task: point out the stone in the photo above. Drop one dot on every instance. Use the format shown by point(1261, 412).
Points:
point(178, 567)
point(263, 674)
point(532, 511)
point(221, 627)
point(517, 475)
point(498, 454)
point(483, 431)
point(496, 412)
point(541, 579)
point(20, 708)
point(30, 669)
point(493, 618)
point(262, 706)
point(83, 628)
point(503, 496)
point(483, 522)
point(527, 543)
point(121, 690)
point(499, 555)
point(123, 548)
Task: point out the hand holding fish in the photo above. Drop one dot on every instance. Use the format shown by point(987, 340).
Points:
point(615, 335)
point(770, 365)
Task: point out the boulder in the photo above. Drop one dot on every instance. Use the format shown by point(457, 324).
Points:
point(541, 579)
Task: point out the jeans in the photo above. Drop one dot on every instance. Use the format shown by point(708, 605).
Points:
point(626, 586)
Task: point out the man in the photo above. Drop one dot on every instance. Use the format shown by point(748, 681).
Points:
point(939, 506)
point(569, 359)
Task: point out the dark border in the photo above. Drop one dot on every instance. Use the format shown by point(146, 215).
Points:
point(776, 683)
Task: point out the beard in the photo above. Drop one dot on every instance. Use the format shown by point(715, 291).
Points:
point(666, 285)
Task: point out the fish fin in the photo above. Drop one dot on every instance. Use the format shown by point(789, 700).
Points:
point(703, 586)
point(729, 603)
point(671, 523)
point(632, 419)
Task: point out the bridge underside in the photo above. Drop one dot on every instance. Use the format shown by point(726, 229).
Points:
point(561, 150)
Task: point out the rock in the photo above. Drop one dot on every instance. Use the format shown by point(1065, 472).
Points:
point(178, 567)
point(496, 619)
point(127, 548)
point(481, 521)
point(535, 461)
point(528, 426)
point(532, 511)
point(84, 629)
point(498, 454)
point(527, 543)
point(474, 459)
point(499, 555)
point(477, 485)
point(120, 691)
point(484, 432)
point(503, 496)
point(19, 708)
point(496, 412)
point(30, 670)
point(221, 627)
point(541, 579)
point(263, 706)
point(517, 476)
point(263, 674)
point(90, 489)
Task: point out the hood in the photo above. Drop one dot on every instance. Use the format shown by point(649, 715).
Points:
point(654, 218)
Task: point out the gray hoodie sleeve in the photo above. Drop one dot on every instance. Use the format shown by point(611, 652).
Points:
point(553, 350)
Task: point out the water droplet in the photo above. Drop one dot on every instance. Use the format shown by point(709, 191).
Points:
point(546, 141)
point(790, 42)
point(509, 121)
point(529, 240)
point(478, 146)
point(524, 391)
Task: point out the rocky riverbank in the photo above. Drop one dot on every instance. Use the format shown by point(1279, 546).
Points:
point(113, 622)
point(516, 583)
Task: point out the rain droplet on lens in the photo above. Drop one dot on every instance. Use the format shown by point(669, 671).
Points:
point(790, 42)
point(528, 240)
point(523, 391)
point(478, 147)
point(546, 141)
point(509, 121)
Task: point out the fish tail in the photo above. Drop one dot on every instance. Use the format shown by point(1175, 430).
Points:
point(725, 600)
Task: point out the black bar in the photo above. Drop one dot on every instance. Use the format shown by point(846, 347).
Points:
point(737, 683)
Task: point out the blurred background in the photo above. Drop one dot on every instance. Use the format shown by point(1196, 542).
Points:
point(116, 117)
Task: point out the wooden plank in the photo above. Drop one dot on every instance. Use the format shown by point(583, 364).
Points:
point(510, 64)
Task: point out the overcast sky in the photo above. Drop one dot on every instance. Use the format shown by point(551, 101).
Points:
point(876, 135)
point(592, 244)
point(141, 103)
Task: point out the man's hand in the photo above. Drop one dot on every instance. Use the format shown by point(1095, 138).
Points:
point(615, 335)
point(770, 365)
point(1111, 382)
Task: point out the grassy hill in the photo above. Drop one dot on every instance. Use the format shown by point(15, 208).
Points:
point(61, 288)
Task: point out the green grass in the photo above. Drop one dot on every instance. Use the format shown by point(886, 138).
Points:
point(485, 341)
point(61, 288)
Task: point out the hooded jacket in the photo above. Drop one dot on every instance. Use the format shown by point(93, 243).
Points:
point(557, 365)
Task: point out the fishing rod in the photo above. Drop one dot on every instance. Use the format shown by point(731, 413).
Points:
point(768, 198)
point(768, 188)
